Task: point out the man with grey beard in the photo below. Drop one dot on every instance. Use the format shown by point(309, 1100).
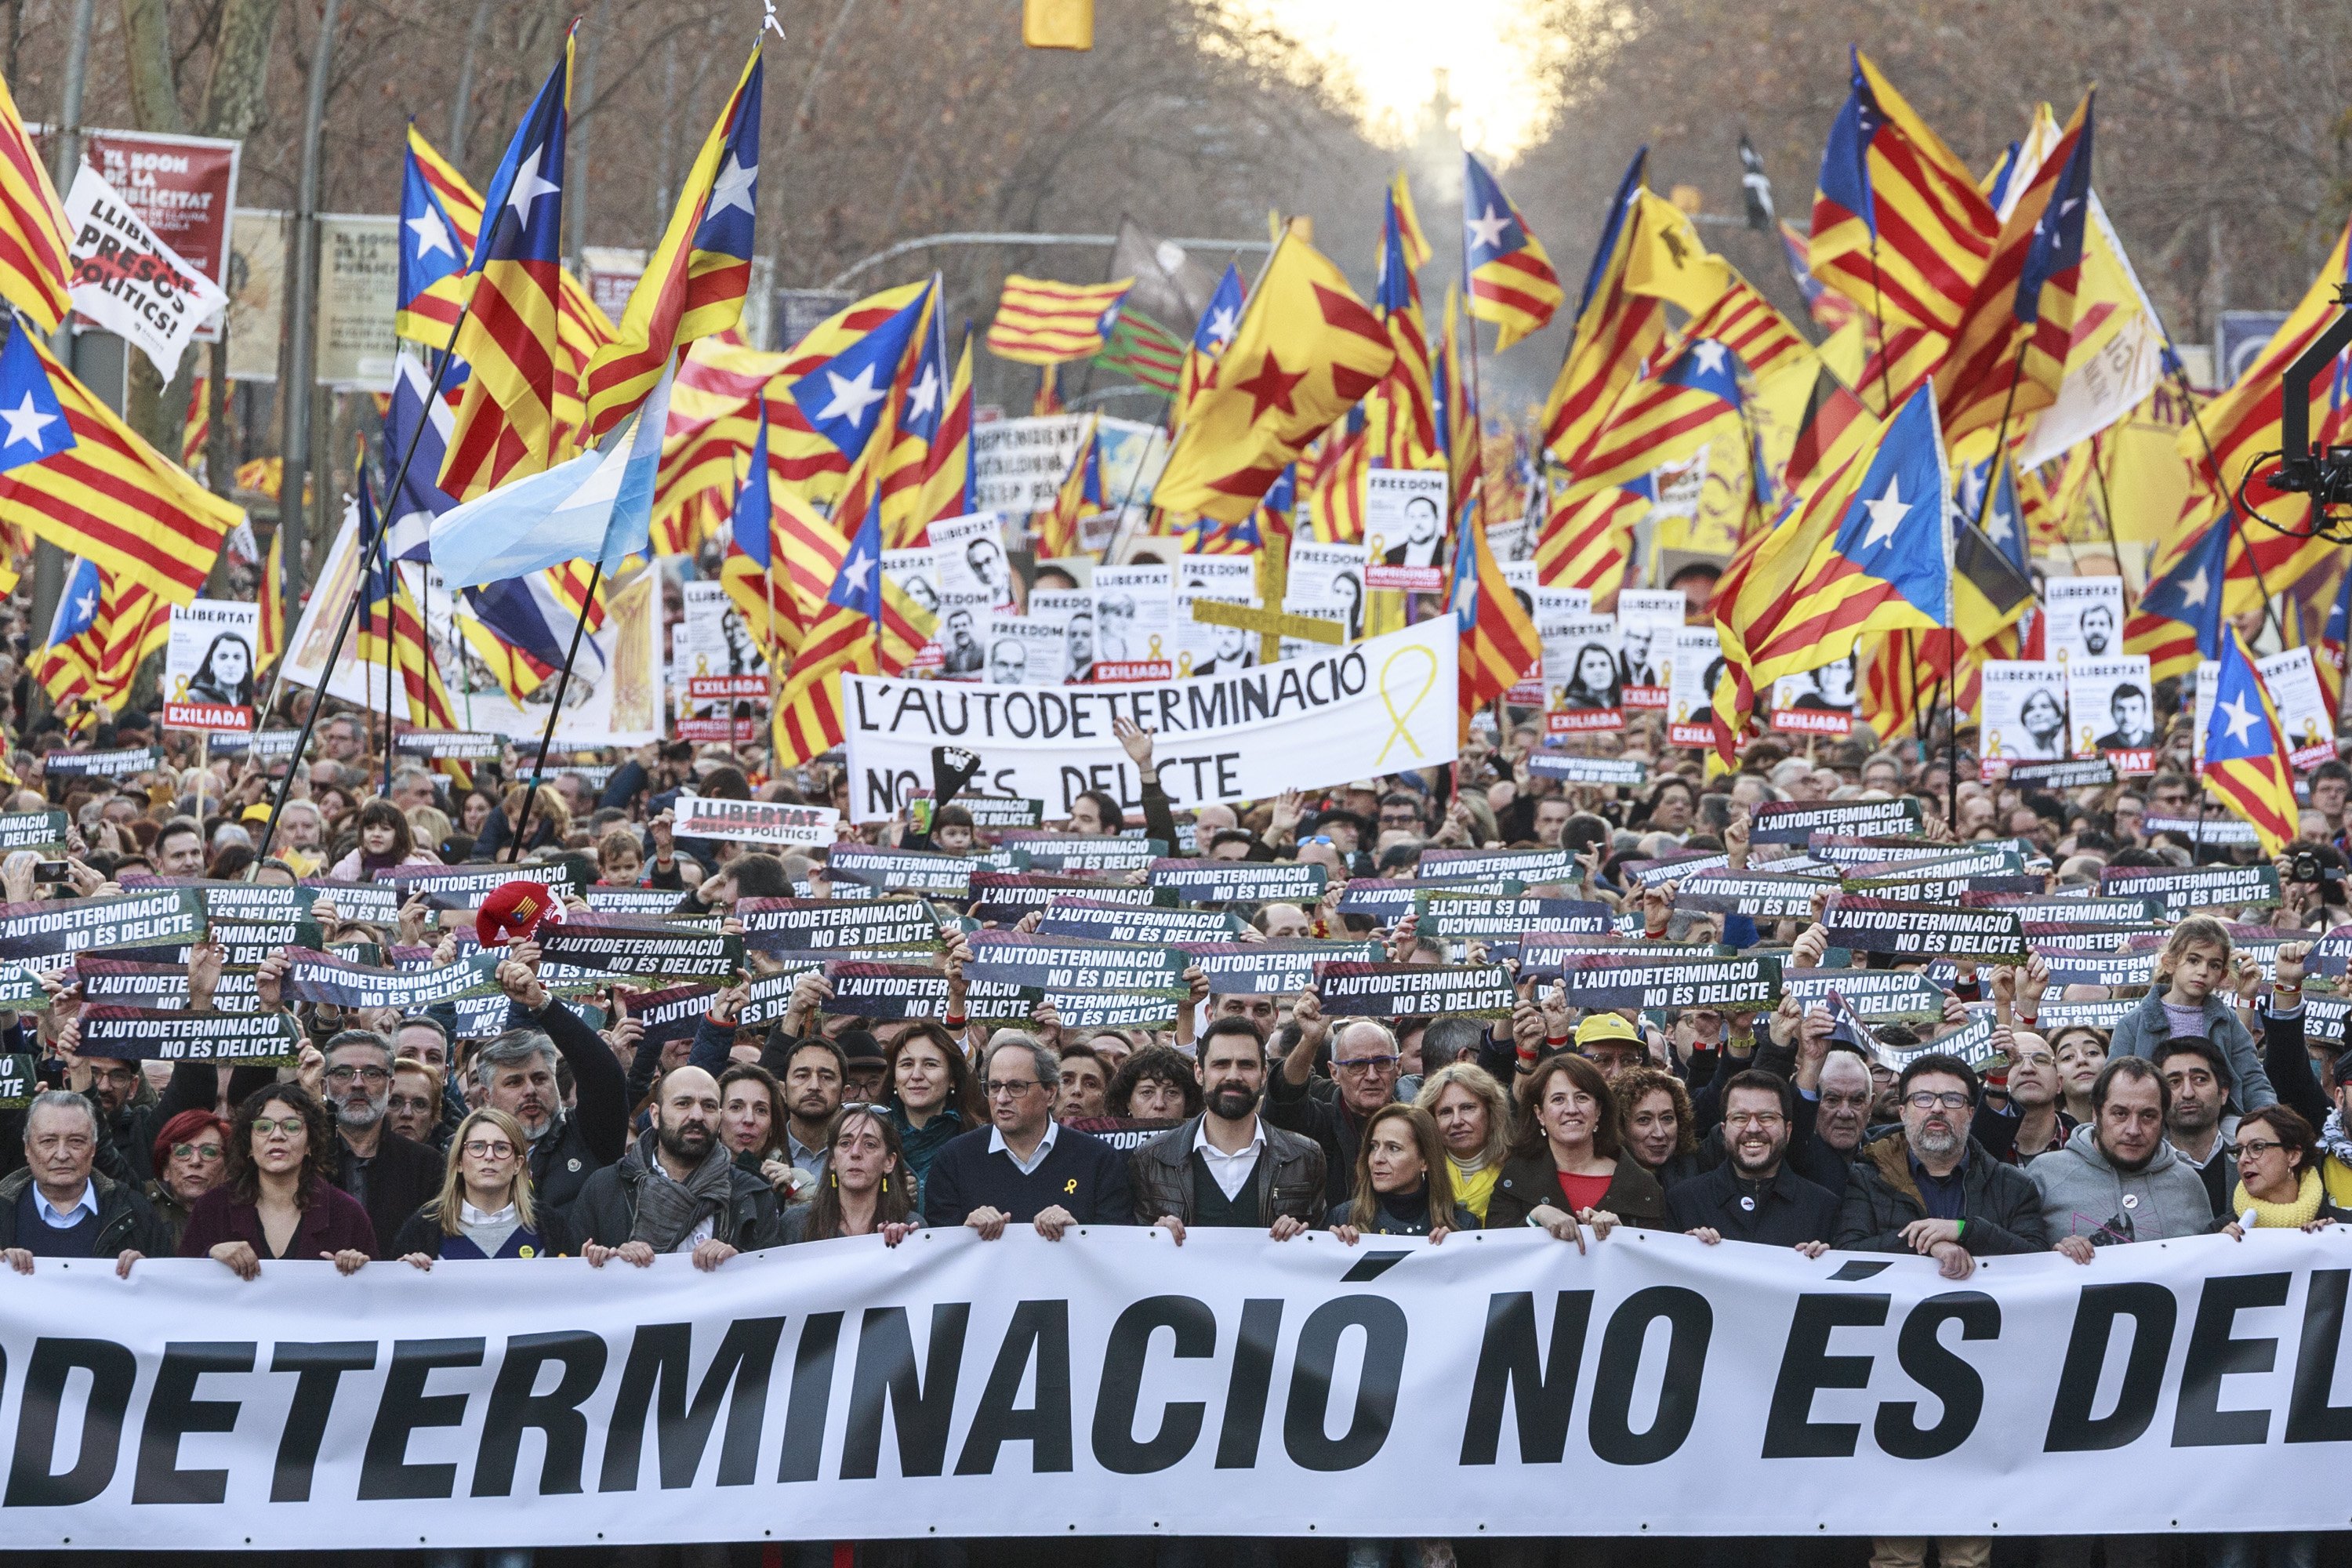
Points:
point(1932, 1189)
point(389, 1175)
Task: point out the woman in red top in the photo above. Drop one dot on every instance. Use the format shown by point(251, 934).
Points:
point(278, 1202)
point(1565, 1172)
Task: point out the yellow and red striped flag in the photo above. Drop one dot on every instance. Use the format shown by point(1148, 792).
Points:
point(106, 625)
point(1616, 329)
point(1511, 280)
point(34, 233)
point(1040, 322)
point(273, 602)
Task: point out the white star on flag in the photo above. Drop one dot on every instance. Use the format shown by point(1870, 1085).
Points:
point(86, 606)
point(1221, 324)
point(26, 423)
point(923, 395)
point(734, 188)
point(1997, 526)
point(1710, 355)
point(1886, 513)
point(1487, 231)
point(853, 397)
point(528, 187)
point(856, 570)
point(432, 235)
point(2239, 719)
point(2196, 590)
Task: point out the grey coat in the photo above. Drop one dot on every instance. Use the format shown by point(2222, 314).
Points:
point(2084, 1194)
point(2147, 1027)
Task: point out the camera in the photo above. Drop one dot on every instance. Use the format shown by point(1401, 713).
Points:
point(2309, 869)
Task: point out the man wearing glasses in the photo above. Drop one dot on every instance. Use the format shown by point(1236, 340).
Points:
point(1932, 1189)
point(389, 1175)
point(1364, 1065)
point(1752, 1197)
point(1022, 1168)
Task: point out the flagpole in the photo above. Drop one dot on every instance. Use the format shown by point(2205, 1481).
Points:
point(555, 710)
point(385, 564)
point(2107, 517)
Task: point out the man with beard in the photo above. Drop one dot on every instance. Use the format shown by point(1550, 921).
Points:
point(1752, 1197)
point(391, 1176)
point(678, 1191)
point(515, 1073)
point(1930, 1188)
point(1226, 1167)
point(2117, 1181)
point(815, 1071)
point(2199, 1126)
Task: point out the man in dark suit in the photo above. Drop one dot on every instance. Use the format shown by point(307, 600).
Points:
point(1022, 1169)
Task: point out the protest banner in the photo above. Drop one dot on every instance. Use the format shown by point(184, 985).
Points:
point(1004, 897)
point(1692, 978)
point(753, 821)
point(43, 832)
point(1076, 853)
point(1393, 1420)
point(989, 812)
point(246, 901)
point(141, 1034)
point(787, 925)
point(1404, 529)
point(208, 665)
point(1647, 619)
point(1817, 701)
point(113, 762)
point(1242, 881)
point(1068, 915)
point(2306, 722)
point(2063, 775)
point(1625, 772)
point(45, 930)
point(127, 279)
point(1794, 821)
point(1870, 924)
point(1530, 867)
point(2057, 1016)
point(245, 943)
point(1937, 883)
point(2199, 831)
point(20, 986)
point(1414, 990)
point(449, 745)
point(2081, 969)
point(1676, 868)
point(1342, 714)
point(631, 900)
point(2192, 887)
point(1878, 996)
point(2111, 708)
point(316, 976)
point(463, 887)
point(266, 746)
point(2084, 617)
point(1387, 900)
point(20, 1080)
point(1583, 693)
point(127, 982)
point(670, 1013)
point(901, 871)
point(1690, 694)
point(2030, 907)
point(1073, 963)
point(1455, 915)
point(373, 904)
point(1760, 895)
point(671, 955)
point(866, 988)
point(1281, 968)
point(2057, 936)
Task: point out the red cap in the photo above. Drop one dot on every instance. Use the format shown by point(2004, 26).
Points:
point(515, 909)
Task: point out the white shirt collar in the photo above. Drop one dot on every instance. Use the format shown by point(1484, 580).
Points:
point(65, 1218)
point(468, 1215)
point(1210, 1151)
point(997, 1145)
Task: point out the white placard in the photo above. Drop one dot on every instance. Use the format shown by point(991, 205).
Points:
point(915, 570)
point(1135, 622)
point(1326, 577)
point(1582, 689)
point(969, 552)
point(1816, 701)
point(2086, 618)
point(2024, 715)
point(753, 821)
point(1404, 529)
point(2294, 686)
point(1690, 695)
point(717, 655)
point(1224, 574)
point(2111, 710)
point(125, 278)
point(1024, 651)
point(1355, 713)
point(208, 665)
point(1018, 464)
point(1203, 649)
point(1072, 610)
point(2209, 686)
point(1646, 620)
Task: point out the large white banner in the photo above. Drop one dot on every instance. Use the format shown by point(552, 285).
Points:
point(1247, 733)
point(1498, 1382)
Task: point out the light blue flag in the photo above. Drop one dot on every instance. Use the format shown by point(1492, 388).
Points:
point(597, 507)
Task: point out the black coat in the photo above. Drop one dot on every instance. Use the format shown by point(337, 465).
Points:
point(2000, 1203)
point(1298, 1108)
point(1782, 1211)
point(125, 1219)
point(403, 1176)
point(594, 1132)
point(421, 1232)
point(1529, 1182)
point(1081, 1173)
point(607, 1209)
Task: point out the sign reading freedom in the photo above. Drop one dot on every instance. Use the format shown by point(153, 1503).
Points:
point(1728, 1389)
point(1350, 713)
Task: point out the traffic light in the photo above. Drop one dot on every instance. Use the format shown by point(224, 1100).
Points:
point(1057, 24)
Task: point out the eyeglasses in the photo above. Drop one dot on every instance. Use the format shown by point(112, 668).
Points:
point(202, 1153)
point(1763, 1119)
point(489, 1149)
point(1319, 838)
point(2037, 1060)
point(369, 1075)
point(1012, 1086)
point(290, 1125)
point(2258, 1147)
point(1928, 1099)
point(1366, 1064)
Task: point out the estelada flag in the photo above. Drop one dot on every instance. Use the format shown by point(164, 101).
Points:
point(1305, 351)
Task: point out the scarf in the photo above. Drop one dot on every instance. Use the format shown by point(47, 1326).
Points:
point(2282, 1216)
point(667, 1210)
point(2334, 1140)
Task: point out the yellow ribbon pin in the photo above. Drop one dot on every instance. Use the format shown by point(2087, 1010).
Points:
point(1397, 721)
point(1070, 1187)
point(1155, 647)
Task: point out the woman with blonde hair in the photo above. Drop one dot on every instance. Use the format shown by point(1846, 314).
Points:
point(1473, 1113)
point(485, 1209)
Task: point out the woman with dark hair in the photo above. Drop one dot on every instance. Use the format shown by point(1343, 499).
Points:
point(1155, 1084)
point(751, 1121)
point(1595, 682)
point(929, 1096)
point(485, 1209)
point(386, 840)
point(226, 675)
point(866, 1189)
point(1655, 1124)
point(1565, 1172)
point(277, 1202)
point(1403, 1185)
point(2278, 1173)
point(190, 1159)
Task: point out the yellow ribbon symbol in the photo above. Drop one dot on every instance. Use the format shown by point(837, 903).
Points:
point(702, 664)
point(1184, 664)
point(2085, 746)
point(1155, 646)
point(182, 694)
point(1397, 730)
point(1992, 743)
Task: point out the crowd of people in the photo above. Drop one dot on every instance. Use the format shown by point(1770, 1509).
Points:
point(2209, 1100)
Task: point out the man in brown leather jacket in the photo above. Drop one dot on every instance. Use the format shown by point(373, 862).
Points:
point(1226, 1167)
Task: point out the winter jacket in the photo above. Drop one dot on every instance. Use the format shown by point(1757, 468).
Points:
point(124, 1220)
point(594, 1132)
point(1288, 1177)
point(606, 1211)
point(2083, 1194)
point(2002, 1209)
point(1307, 1109)
point(333, 1221)
point(1781, 1211)
point(546, 1236)
point(1386, 1222)
point(2147, 1027)
point(1529, 1182)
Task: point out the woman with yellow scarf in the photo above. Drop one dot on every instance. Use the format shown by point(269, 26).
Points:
point(2278, 1173)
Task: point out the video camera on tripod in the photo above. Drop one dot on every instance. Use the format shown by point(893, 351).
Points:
point(2323, 473)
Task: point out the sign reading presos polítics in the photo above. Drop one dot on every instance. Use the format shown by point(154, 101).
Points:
point(1281, 968)
point(753, 821)
point(792, 925)
point(1404, 529)
point(1795, 821)
point(1922, 929)
point(1232, 882)
point(182, 187)
point(1414, 990)
point(208, 665)
point(125, 278)
point(1695, 980)
point(1346, 713)
point(140, 1034)
point(1629, 772)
